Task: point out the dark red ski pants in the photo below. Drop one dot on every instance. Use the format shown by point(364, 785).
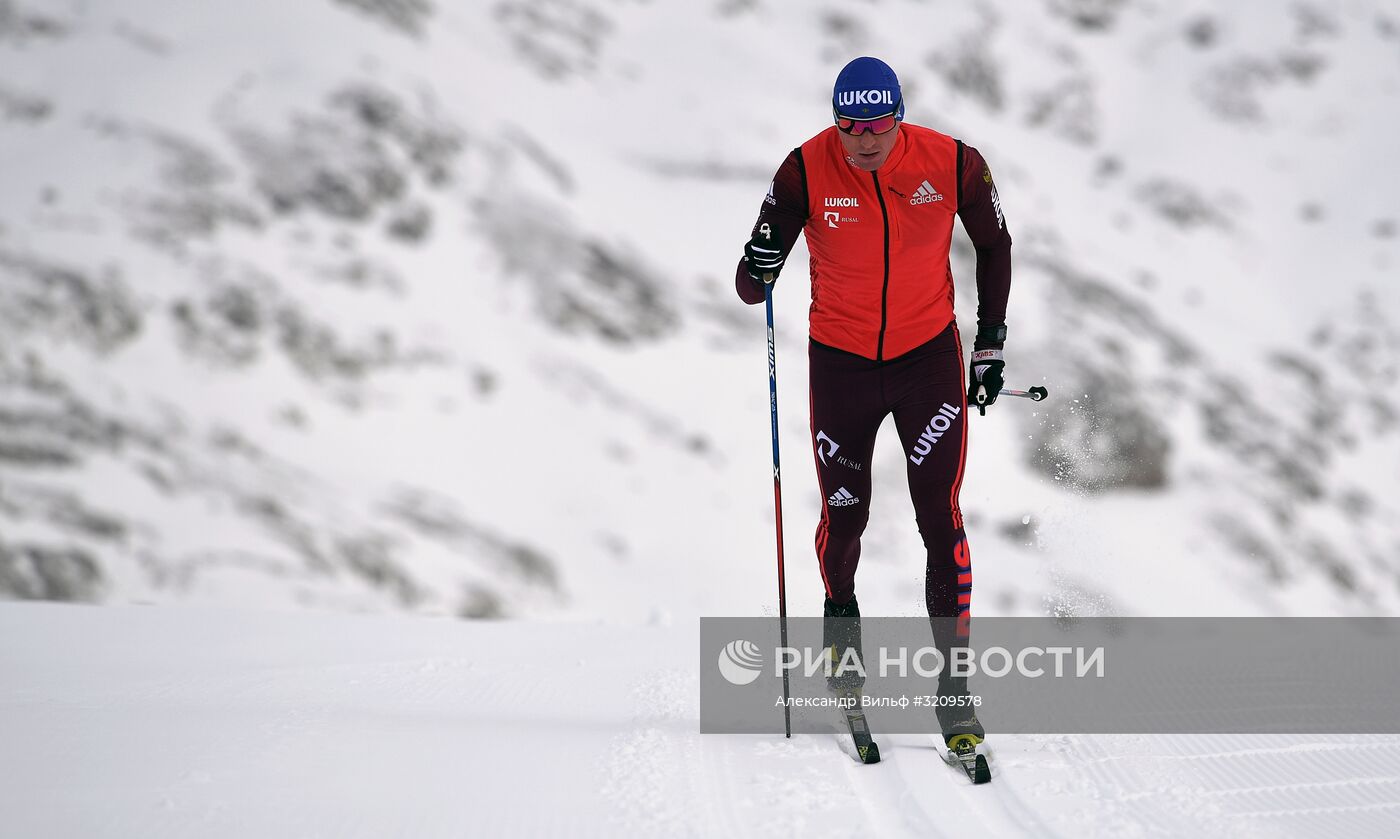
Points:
point(851, 396)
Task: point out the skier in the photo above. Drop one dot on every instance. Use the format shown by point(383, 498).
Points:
point(876, 197)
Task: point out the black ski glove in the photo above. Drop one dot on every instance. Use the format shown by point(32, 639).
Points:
point(984, 374)
point(763, 254)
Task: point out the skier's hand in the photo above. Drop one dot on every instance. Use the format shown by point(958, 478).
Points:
point(985, 379)
point(763, 254)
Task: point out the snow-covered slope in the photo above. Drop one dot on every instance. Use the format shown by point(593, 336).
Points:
point(176, 722)
point(371, 304)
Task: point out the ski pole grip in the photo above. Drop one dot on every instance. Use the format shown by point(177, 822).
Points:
point(767, 233)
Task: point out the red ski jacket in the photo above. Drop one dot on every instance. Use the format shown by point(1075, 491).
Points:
point(879, 241)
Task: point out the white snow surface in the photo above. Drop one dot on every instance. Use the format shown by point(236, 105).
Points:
point(150, 722)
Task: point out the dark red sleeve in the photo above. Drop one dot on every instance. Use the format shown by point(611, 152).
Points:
point(784, 209)
point(979, 208)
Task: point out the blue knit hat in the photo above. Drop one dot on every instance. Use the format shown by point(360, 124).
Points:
point(867, 89)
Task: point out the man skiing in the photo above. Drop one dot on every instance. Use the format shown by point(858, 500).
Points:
point(876, 198)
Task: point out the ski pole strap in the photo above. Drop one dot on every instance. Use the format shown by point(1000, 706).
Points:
point(990, 337)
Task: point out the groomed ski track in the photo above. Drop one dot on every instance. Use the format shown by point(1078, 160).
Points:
point(158, 722)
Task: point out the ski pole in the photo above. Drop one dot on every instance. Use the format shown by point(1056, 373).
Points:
point(777, 480)
point(1035, 394)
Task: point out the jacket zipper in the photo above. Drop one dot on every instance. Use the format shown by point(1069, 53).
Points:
point(885, 288)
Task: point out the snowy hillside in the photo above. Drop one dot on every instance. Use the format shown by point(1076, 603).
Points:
point(175, 722)
point(426, 306)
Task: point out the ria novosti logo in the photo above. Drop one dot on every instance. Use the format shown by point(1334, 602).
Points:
point(740, 662)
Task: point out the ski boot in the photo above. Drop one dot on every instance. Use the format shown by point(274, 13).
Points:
point(840, 634)
point(841, 638)
point(962, 734)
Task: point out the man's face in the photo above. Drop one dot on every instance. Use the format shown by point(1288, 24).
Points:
point(869, 149)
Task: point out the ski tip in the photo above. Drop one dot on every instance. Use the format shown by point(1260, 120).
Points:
point(981, 771)
point(962, 753)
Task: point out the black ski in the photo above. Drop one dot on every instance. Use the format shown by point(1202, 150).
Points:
point(867, 750)
point(962, 752)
